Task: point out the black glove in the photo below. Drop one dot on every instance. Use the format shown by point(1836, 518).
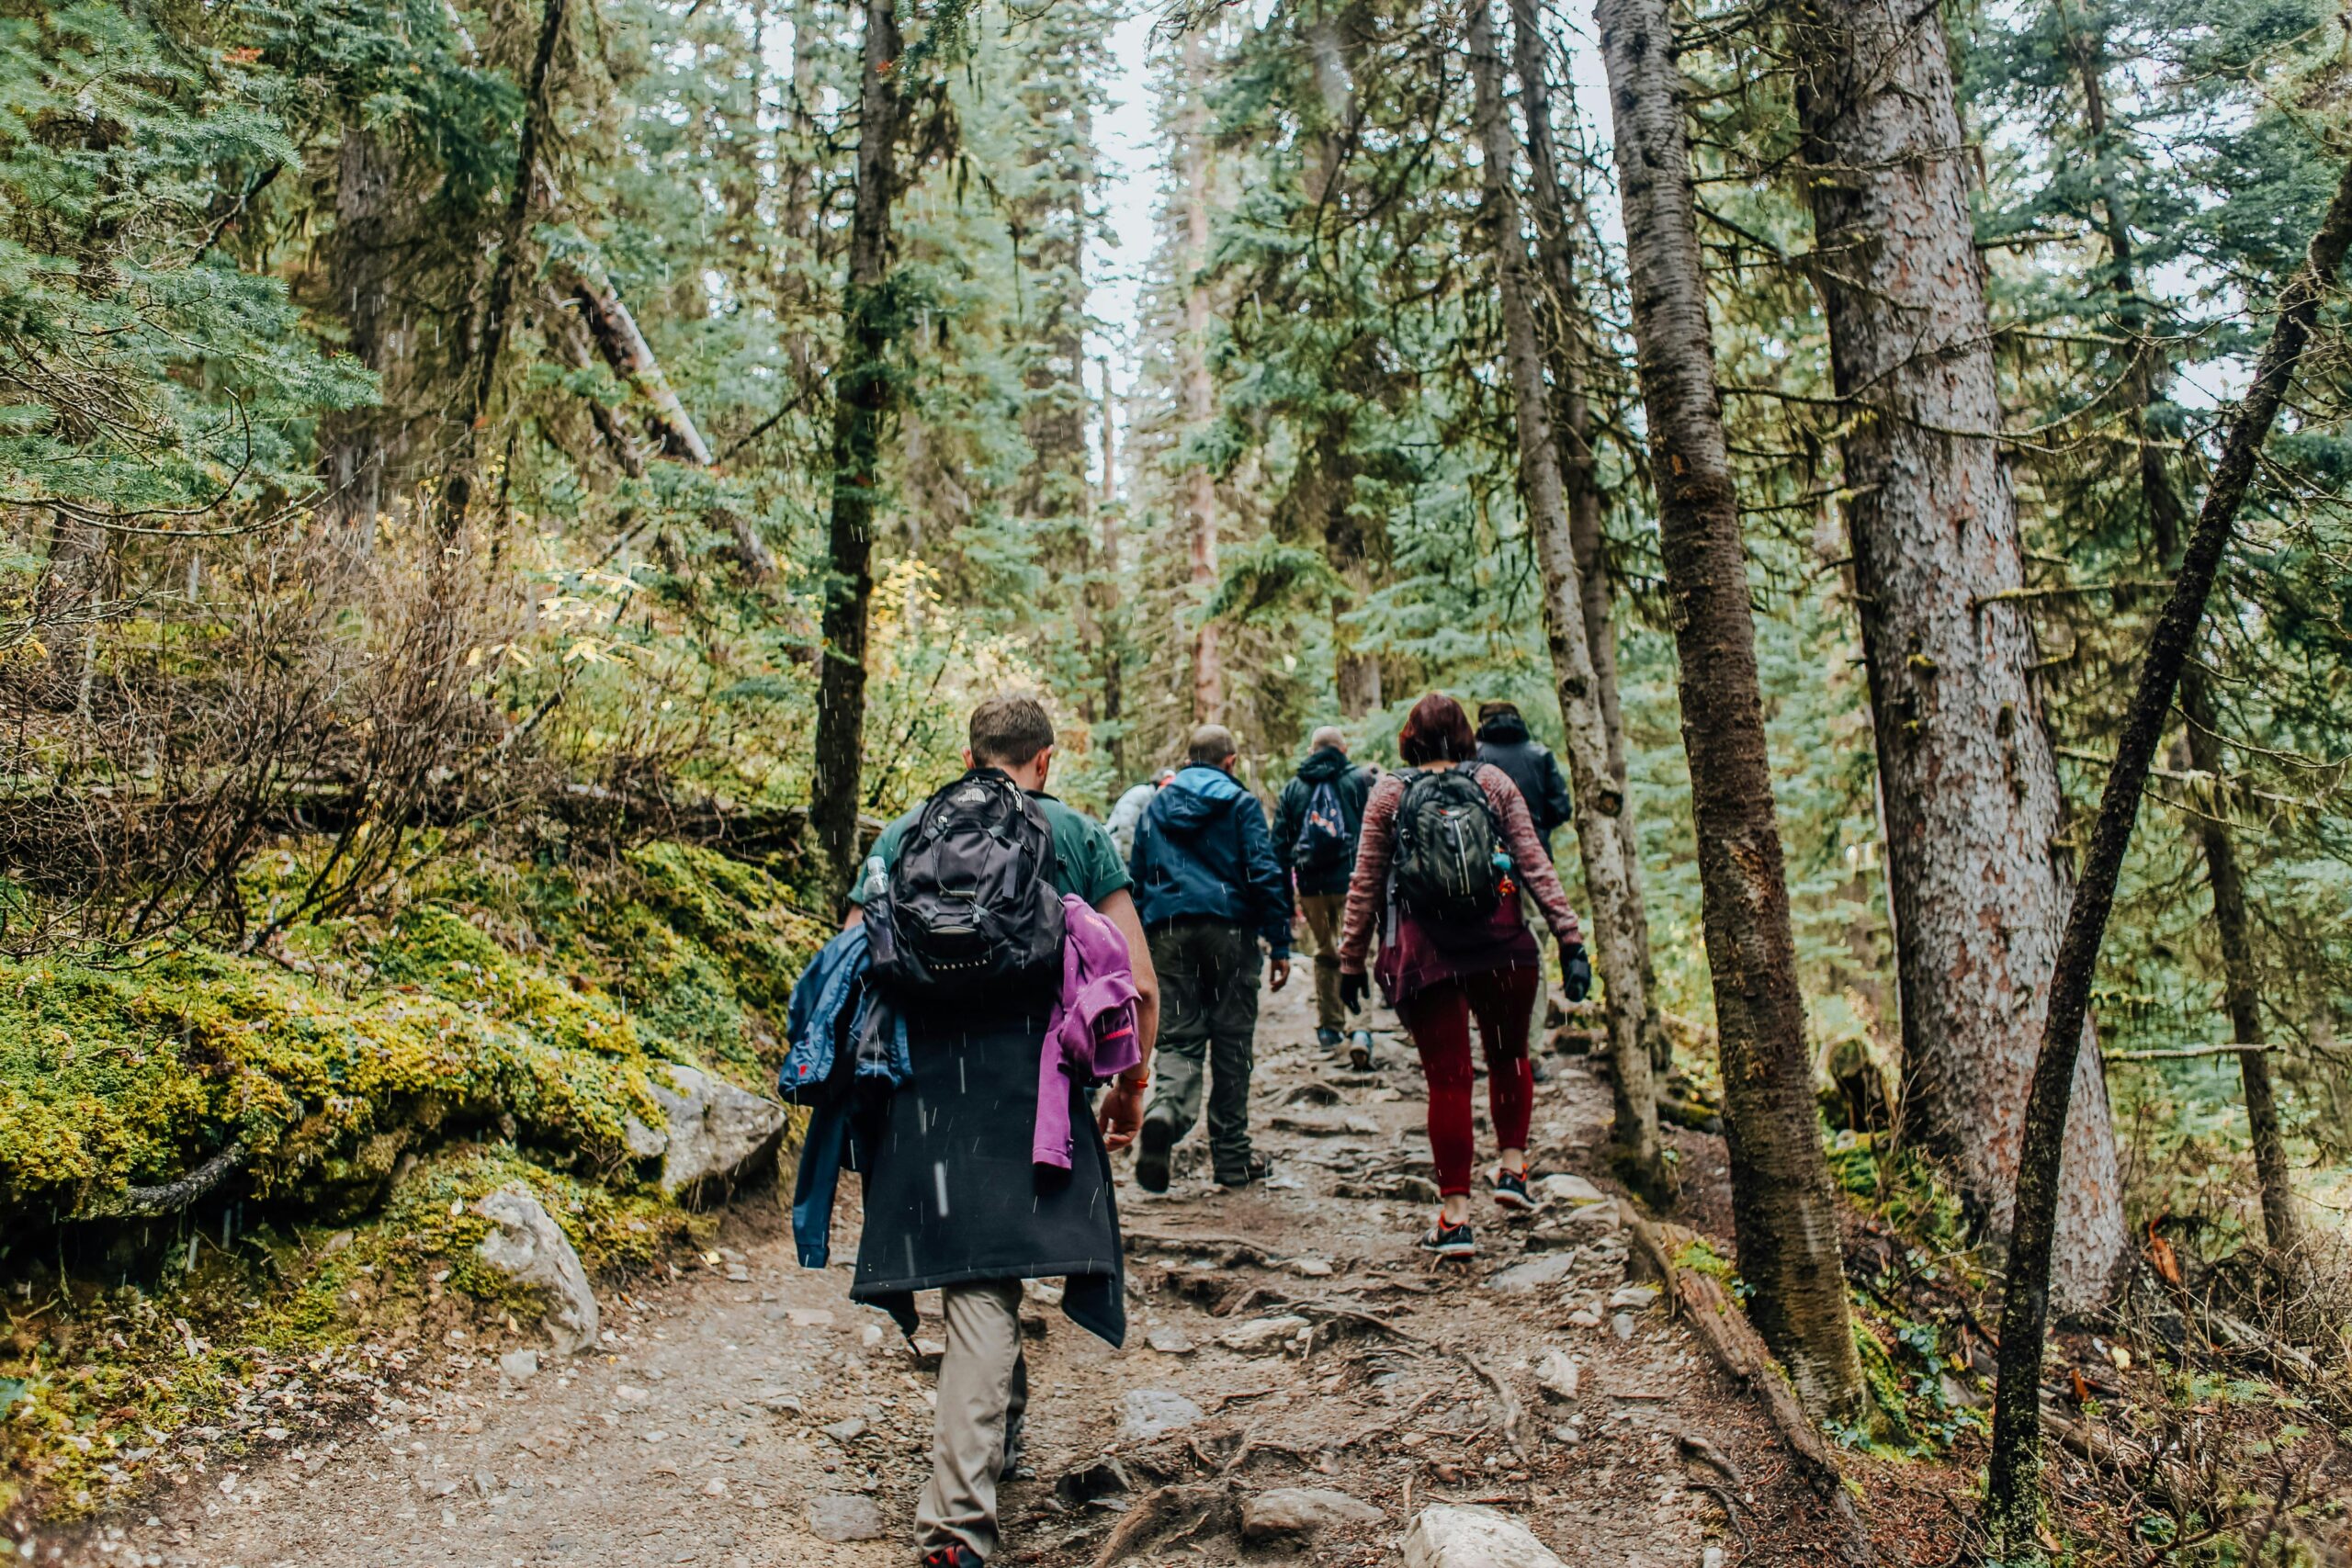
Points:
point(1575, 971)
point(1353, 988)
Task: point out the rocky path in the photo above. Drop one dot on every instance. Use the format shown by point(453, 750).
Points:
point(1299, 1386)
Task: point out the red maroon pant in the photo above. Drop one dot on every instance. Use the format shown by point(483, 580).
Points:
point(1439, 1021)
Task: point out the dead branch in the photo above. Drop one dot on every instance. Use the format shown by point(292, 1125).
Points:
point(1156, 1513)
point(1510, 1414)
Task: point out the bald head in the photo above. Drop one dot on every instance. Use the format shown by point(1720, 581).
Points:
point(1332, 736)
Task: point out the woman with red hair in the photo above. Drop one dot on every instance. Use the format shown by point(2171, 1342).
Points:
point(1455, 946)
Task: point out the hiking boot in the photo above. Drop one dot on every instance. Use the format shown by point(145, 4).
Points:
point(1360, 1050)
point(1445, 1240)
point(1510, 1189)
point(953, 1555)
point(1327, 1039)
point(1258, 1168)
point(1152, 1144)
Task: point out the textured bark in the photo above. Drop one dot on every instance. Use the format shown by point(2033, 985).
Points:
point(864, 398)
point(2013, 1476)
point(1568, 339)
point(356, 445)
point(1783, 1211)
point(1597, 799)
point(1200, 408)
point(506, 271)
point(1972, 804)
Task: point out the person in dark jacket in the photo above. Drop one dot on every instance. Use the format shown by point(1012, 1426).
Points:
point(1209, 890)
point(953, 1200)
point(1319, 856)
point(1503, 742)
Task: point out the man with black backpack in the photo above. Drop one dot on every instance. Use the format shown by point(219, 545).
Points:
point(1209, 890)
point(1316, 824)
point(967, 899)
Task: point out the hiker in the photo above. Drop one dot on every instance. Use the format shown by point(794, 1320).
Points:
point(988, 1019)
point(1210, 890)
point(1441, 842)
point(1315, 823)
point(1128, 811)
point(1503, 740)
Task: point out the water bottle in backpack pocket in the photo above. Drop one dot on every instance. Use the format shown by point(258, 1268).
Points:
point(969, 908)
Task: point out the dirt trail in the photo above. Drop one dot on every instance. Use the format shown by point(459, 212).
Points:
point(729, 1404)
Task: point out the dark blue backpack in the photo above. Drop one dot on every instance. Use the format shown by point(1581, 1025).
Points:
point(1324, 841)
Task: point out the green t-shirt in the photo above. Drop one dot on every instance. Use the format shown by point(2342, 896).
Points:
point(1090, 866)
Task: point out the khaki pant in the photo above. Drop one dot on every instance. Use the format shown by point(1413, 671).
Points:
point(1326, 914)
point(1532, 913)
point(983, 1389)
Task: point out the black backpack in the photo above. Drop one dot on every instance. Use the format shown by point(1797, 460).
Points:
point(1451, 866)
point(970, 904)
point(1325, 843)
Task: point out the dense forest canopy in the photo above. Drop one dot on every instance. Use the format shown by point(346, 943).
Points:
point(495, 444)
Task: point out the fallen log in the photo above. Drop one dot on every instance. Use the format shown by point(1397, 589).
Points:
point(1739, 1351)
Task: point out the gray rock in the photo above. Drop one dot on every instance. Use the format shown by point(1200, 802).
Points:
point(1622, 1326)
point(1634, 1298)
point(1591, 1220)
point(519, 1366)
point(529, 1248)
point(844, 1516)
point(1302, 1510)
point(1561, 1187)
point(1556, 1375)
point(1535, 1274)
point(1447, 1536)
point(1263, 1334)
point(1148, 1413)
point(716, 1133)
point(847, 1431)
point(1169, 1341)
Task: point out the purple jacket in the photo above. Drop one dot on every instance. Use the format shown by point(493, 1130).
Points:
point(1090, 1035)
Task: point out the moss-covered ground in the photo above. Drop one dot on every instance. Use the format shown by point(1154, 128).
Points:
point(502, 1021)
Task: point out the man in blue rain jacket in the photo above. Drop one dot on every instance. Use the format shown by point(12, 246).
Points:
point(1209, 888)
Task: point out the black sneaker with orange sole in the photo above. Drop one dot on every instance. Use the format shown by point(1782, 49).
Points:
point(1443, 1240)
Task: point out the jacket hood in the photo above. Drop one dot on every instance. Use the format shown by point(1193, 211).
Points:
point(1324, 764)
point(1194, 798)
point(1504, 729)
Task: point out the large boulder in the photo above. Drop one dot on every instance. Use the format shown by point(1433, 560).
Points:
point(714, 1133)
point(527, 1247)
point(1447, 1536)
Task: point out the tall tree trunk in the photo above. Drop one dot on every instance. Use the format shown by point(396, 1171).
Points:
point(1597, 799)
point(1200, 485)
point(506, 271)
point(1559, 213)
point(865, 396)
point(1973, 803)
point(1106, 515)
point(2241, 987)
point(356, 444)
point(1783, 1211)
point(2013, 1477)
point(2241, 983)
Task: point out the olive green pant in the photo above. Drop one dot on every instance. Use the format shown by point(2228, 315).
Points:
point(1208, 1025)
point(1327, 914)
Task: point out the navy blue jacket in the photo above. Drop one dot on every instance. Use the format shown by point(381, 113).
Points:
point(1201, 853)
point(1324, 764)
point(843, 1040)
point(1504, 742)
